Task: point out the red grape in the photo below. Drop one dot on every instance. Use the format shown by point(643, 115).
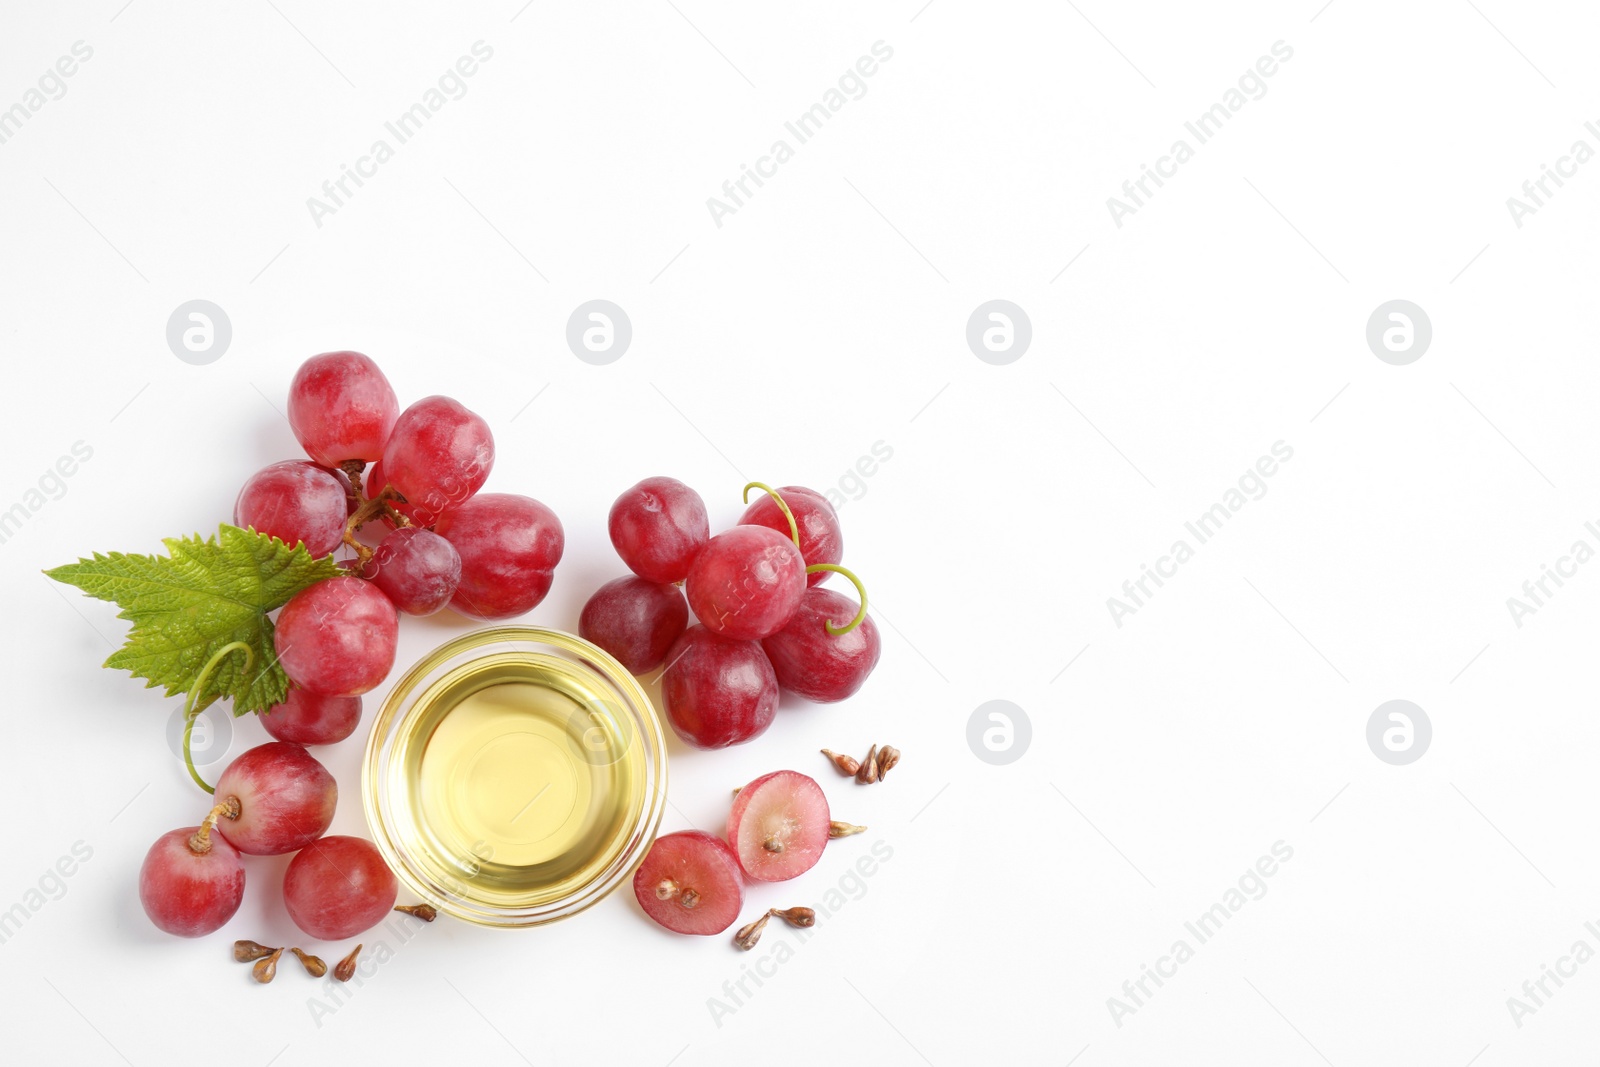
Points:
point(337, 887)
point(779, 826)
point(820, 666)
point(689, 882)
point(296, 502)
point(341, 407)
point(285, 799)
point(338, 637)
point(307, 718)
point(438, 455)
point(192, 882)
point(718, 691)
point(509, 547)
point(417, 569)
point(635, 620)
point(746, 582)
point(344, 487)
point(821, 540)
point(658, 527)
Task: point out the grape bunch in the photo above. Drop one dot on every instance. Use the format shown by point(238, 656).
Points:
point(444, 544)
point(765, 624)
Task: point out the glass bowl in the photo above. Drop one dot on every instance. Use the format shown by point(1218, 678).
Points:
point(515, 776)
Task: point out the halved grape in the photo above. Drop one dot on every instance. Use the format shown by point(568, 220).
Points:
point(689, 882)
point(338, 637)
point(285, 799)
point(635, 620)
point(817, 665)
point(296, 502)
point(747, 582)
point(717, 691)
point(438, 455)
point(191, 884)
point(509, 547)
point(657, 527)
point(341, 407)
point(307, 718)
point(821, 540)
point(338, 887)
point(417, 569)
point(779, 826)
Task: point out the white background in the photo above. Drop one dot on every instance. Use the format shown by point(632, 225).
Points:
point(826, 315)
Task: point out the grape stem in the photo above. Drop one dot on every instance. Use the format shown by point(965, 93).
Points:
point(200, 840)
point(794, 529)
point(369, 509)
point(832, 627)
point(191, 708)
point(352, 471)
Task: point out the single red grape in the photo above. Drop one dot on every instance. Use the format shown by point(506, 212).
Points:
point(635, 620)
point(439, 454)
point(815, 664)
point(296, 502)
point(509, 547)
point(658, 527)
point(821, 540)
point(338, 637)
point(718, 691)
point(417, 569)
point(779, 826)
point(192, 882)
point(338, 887)
point(746, 582)
point(341, 407)
point(285, 799)
point(307, 718)
point(689, 882)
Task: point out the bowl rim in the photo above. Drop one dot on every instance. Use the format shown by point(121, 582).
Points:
point(400, 703)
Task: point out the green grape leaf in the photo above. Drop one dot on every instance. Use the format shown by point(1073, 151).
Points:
point(205, 595)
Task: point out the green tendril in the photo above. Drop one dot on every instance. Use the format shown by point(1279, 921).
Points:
point(833, 628)
point(189, 713)
point(794, 529)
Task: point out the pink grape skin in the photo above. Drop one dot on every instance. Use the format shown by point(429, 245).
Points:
point(338, 887)
point(821, 539)
point(187, 893)
point(718, 691)
point(307, 718)
point(286, 799)
point(341, 407)
point(509, 547)
point(815, 664)
point(439, 454)
point(635, 620)
point(338, 637)
point(658, 527)
point(344, 487)
point(785, 807)
point(747, 582)
point(296, 502)
point(416, 569)
point(691, 860)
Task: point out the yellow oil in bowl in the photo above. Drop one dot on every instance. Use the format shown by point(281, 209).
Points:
point(515, 776)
